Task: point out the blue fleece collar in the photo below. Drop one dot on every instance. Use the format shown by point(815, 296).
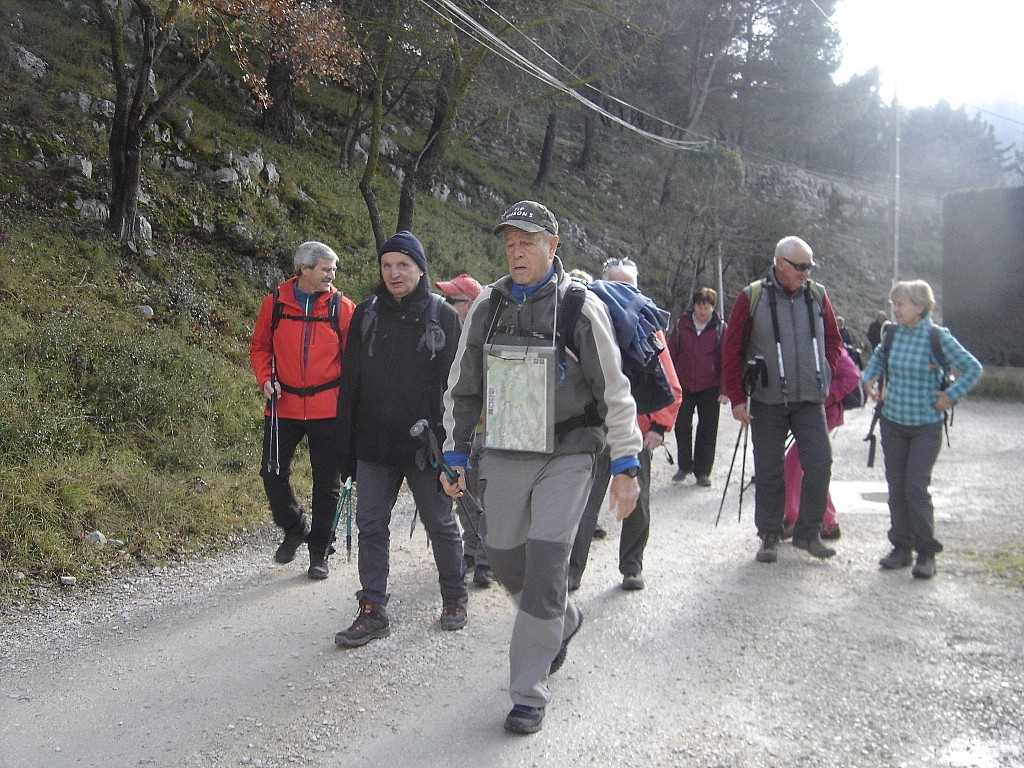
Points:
point(522, 292)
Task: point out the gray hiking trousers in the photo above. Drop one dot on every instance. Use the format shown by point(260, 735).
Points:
point(533, 506)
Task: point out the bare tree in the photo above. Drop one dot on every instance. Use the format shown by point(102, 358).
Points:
point(200, 26)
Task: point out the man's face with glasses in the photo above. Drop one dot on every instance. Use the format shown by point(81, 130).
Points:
point(462, 305)
point(793, 272)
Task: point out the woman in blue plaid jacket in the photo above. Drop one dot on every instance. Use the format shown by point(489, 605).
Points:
point(908, 381)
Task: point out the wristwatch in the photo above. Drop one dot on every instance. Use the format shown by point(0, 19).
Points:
point(631, 472)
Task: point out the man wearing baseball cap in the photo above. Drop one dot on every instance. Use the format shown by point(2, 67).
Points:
point(535, 492)
point(460, 292)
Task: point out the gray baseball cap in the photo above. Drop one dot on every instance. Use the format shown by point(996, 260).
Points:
point(529, 217)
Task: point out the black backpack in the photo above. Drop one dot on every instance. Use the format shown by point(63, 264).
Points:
point(433, 336)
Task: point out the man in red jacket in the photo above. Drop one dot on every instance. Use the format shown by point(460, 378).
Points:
point(296, 355)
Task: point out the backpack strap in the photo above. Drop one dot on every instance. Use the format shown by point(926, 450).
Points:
point(368, 324)
point(333, 317)
point(433, 337)
point(945, 377)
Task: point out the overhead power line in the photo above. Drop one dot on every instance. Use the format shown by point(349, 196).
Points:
point(469, 26)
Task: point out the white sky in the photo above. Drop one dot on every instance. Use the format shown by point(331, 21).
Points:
point(963, 51)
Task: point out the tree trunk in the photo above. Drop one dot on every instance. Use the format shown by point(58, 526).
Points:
point(279, 117)
point(589, 129)
point(126, 181)
point(547, 152)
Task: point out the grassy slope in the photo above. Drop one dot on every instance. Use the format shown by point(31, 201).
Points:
point(148, 430)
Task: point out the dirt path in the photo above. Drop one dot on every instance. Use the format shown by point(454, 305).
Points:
point(721, 661)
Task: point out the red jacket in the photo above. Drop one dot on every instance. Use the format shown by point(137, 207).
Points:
point(307, 353)
point(666, 417)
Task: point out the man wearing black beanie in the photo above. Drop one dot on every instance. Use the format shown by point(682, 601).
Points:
point(397, 356)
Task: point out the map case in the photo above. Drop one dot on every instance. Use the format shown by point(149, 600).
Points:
point(519, 398)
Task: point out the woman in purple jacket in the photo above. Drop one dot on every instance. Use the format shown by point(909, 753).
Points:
point(694, 346)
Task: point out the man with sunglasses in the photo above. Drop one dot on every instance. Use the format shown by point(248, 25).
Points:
point(778, 355)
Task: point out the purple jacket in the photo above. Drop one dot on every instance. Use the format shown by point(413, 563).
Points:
point(697, 359)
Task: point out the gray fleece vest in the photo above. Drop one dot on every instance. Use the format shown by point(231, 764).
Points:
point(804, 381)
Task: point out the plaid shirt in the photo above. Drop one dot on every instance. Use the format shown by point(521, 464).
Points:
point(914, 373)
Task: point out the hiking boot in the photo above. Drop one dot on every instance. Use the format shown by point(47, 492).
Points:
point(371, 624)
point(814, 547)
point(831, 532)
point(898, 558)
point(924, 568)
point(769, 550)
point(524, 719)
point(679, 476)
point(293, 539)
point(633, 582)
point(703, 481)
point(559, 660)
point(483, 576)
point(453, 613)
point(318, 568)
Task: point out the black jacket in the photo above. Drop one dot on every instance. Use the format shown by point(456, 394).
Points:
point(389, 385)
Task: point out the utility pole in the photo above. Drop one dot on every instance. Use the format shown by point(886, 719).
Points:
point(896, 192)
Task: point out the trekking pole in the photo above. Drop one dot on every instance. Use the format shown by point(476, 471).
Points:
point(757, 370)
point(728, 476)
point(345, 500)
point(432, 455)
point(743, 472)
point(274, 447)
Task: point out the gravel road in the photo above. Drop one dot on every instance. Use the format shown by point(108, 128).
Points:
point(721, 661)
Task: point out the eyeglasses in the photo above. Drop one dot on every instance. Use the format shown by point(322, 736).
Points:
point(450, 300)
point(618, 263)
point(807, 267)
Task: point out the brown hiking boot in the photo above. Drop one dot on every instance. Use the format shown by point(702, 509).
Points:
point(453, 613)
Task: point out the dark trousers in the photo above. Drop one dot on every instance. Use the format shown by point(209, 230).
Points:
point(770, 424)
point(285, 507)
point(910, 453)
point(635, 529)
point(697, 456)
point(378, 491)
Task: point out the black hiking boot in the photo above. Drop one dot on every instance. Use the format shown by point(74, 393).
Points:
point(924, 568)
point(371, 624)
point(898, 558)
point(318, 568)
point(815, 547)
point(293, 539)
point(769, 549)
point(524, 719)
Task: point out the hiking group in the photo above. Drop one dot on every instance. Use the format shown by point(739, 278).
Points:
point(524, 402)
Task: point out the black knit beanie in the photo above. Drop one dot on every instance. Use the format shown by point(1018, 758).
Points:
point(404, 242)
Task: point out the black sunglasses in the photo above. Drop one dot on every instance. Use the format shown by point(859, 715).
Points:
point(800, 267)
point(450, 300)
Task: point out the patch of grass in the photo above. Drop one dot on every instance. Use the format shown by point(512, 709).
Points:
point(1001, 383)
point(1009, 566)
